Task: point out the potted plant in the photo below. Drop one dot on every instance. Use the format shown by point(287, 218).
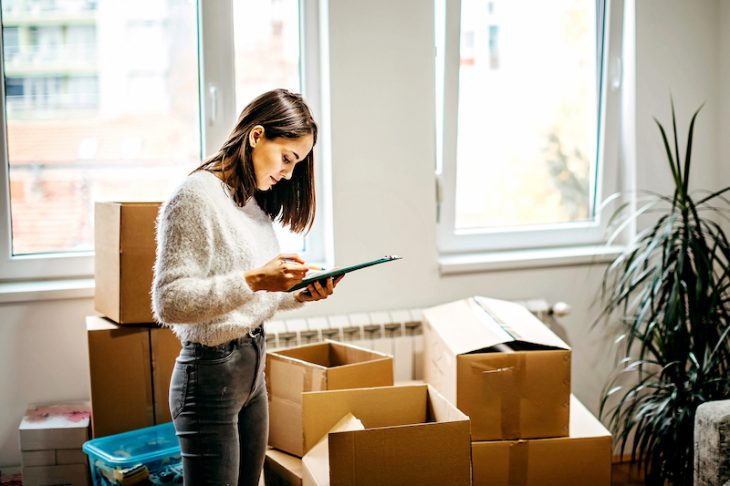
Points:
point(670, 289)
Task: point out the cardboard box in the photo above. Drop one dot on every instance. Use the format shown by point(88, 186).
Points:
point(120, 377)
point(323, 366)
point(282, 469)
point(124, 241)
point(412, 436)
point(582, 458)
point(165, 348)
point(521, 393)
point(316, 462)
point(52, 457)
point(71, 456)
point(69, 474)
point(130, 369)
point(53, 426)
point(38, 458)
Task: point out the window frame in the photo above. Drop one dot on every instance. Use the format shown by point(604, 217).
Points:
point(606, 180)
point(217, 114)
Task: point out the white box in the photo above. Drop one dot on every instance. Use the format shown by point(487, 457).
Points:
point(55, 426)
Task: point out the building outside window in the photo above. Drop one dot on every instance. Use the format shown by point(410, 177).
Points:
point(102, 102)
point(522, 105)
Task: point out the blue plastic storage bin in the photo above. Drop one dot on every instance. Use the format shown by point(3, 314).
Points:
point(144, 456)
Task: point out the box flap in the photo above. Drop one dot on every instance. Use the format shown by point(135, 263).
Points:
point(316, 462)
point(419, 454)
point(441, 410)
point(520, 323)
point(477, 323)
point(375, 407)
point(583, 423)
point(312, 354)
point(377, 372)
point(348, 354)
point(331, 354)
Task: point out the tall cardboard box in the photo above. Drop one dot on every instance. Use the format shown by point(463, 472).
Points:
point(130, 369)
point(120, 377)
point(584, 457)
point(323, 366)
point(124, 241)
point(412, 436)
point(501, 366)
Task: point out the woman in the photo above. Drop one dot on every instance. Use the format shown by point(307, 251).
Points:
point(218, 279)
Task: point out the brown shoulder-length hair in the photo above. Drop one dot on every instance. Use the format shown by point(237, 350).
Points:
point(282, 114)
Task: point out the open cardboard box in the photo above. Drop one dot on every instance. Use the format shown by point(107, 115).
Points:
point(501, 366)
point(282, 469)
point(582, 458)
point(411, 436)
point(322, 366)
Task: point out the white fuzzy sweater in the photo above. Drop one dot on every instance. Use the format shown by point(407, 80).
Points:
point(205, 243)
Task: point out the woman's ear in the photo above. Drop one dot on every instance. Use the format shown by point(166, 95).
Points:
point(255, 135)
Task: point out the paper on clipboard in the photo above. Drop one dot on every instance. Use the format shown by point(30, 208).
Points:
point(336, 272)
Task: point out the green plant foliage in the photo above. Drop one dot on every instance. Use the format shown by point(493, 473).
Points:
point(671, 292)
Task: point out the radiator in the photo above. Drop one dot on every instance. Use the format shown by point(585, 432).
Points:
point(395, 332)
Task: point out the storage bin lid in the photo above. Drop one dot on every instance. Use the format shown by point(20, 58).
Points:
point(136, 446)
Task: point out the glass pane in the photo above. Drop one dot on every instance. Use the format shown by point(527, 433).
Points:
point(527, 120)
point(267, 54)
point(101, 104)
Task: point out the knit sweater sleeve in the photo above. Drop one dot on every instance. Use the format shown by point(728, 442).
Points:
point(183, 291)
point(288, 302)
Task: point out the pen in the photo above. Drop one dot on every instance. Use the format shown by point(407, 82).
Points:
point(311, 267)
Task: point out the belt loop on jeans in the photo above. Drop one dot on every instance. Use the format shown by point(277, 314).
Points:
point(256, 331)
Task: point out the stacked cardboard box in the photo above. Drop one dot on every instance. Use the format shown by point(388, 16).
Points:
point(129, 370)
point(124, 246)
point(314, 388)
point(510, 374)
point(51, 436)
point(322, 366)
point(130, 357)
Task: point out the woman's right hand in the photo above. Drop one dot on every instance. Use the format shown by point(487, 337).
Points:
point(277, 275)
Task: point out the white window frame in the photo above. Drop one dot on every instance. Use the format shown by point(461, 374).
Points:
point(606, 180)
point(217, 108)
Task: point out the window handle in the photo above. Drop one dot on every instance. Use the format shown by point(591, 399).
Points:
point(616, 73)
point(213, 103)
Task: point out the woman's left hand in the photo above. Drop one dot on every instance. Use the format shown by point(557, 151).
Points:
point(316, 291)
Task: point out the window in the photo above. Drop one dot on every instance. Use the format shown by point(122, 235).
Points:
point(523, 113)
point(107, 100)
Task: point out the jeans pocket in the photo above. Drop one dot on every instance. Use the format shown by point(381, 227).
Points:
point(216, 354)
point(179, 383)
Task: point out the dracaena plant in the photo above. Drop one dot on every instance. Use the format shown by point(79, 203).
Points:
point(668, 294)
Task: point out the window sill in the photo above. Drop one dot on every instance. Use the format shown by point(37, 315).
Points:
point(524, 259)
point(31, 291)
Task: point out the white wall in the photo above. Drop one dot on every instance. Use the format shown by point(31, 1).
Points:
point(723, 126)
point(678, 54)
point(383, 160)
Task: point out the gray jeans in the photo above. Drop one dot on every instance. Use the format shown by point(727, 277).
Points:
point(219, 406)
